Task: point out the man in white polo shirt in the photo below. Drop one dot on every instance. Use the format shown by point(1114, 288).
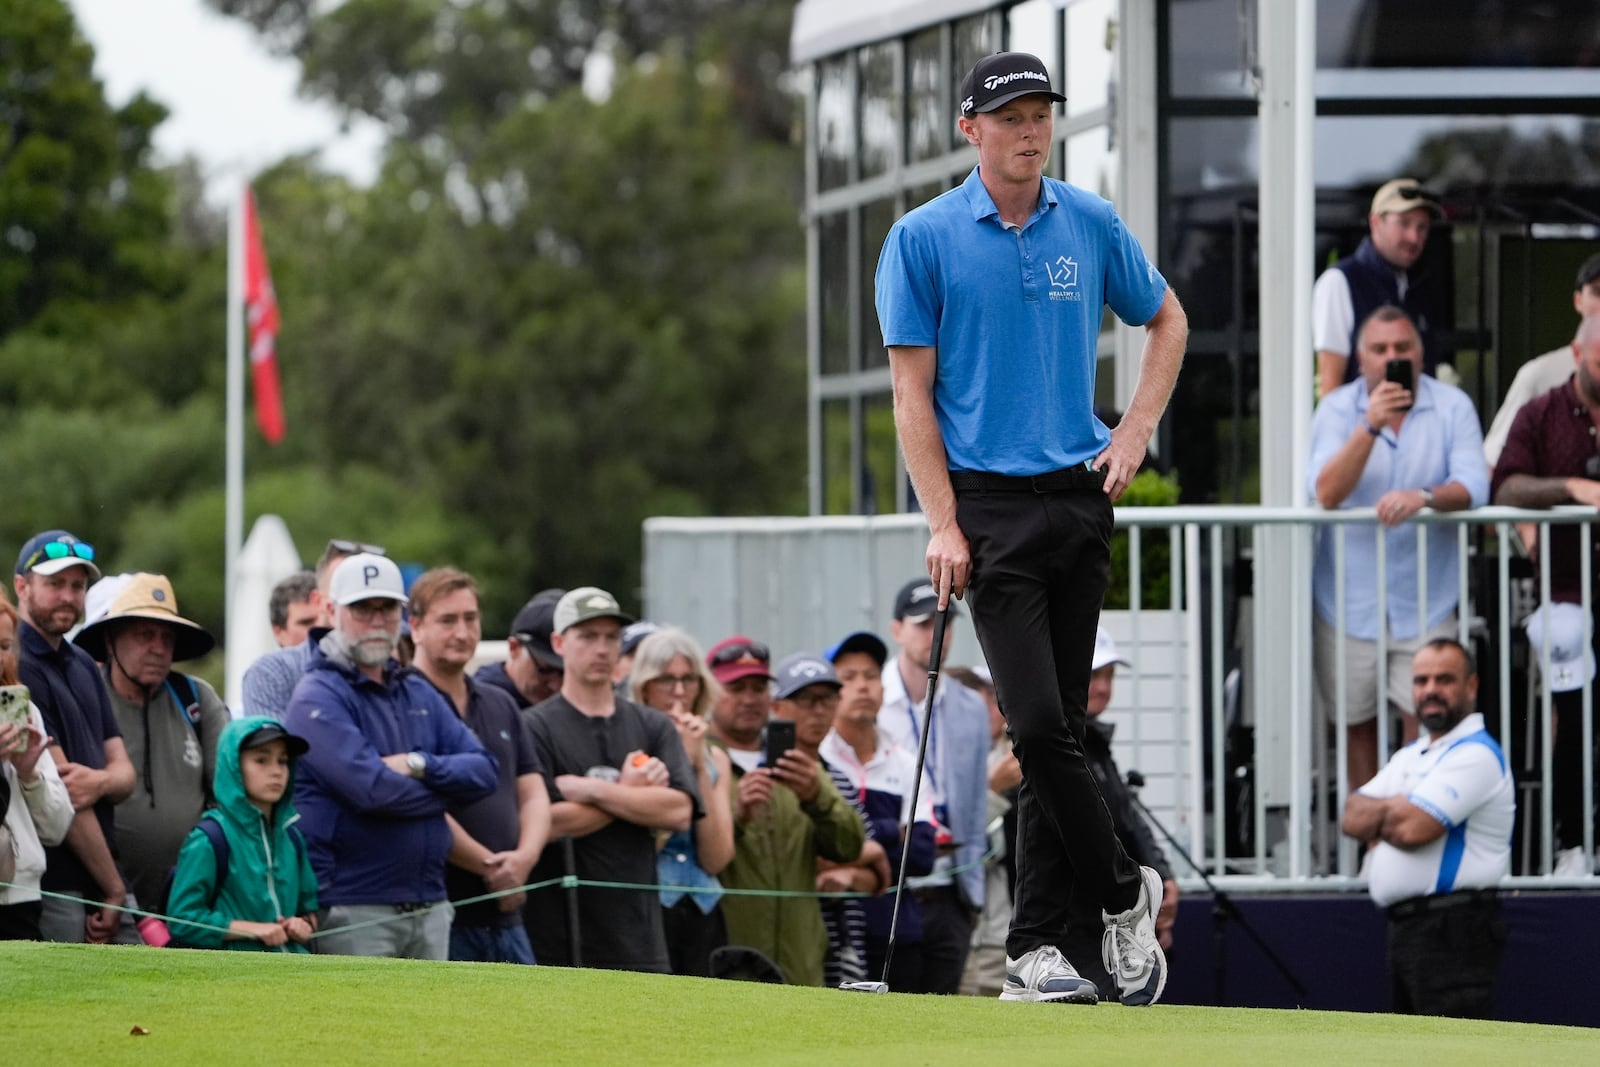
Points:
point(1438, 818)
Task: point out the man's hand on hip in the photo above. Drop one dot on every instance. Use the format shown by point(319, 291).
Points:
point(1121, 459)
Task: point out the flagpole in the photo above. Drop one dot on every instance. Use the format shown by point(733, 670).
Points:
point(233, 523)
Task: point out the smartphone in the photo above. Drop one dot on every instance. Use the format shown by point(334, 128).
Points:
point(1403, 373)
point(780, 739)
point(14, 708)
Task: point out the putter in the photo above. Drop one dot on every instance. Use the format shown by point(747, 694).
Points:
point(934, 657)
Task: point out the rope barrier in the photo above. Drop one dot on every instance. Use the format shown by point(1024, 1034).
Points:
point(568, 881)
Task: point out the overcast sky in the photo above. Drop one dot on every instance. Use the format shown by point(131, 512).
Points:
point(232, 105)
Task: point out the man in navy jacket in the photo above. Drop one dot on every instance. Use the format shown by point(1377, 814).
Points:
point(388, 755)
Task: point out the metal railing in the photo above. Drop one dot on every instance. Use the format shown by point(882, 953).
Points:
point(1295, 778)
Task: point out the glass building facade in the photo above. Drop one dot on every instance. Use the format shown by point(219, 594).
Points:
point(1494, 105)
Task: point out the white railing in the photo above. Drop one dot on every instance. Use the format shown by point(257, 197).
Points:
point(1298, 778)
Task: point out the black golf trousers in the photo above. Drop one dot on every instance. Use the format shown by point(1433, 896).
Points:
point(1041, 551)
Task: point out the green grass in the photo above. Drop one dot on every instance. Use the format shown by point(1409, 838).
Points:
point(76, 1004)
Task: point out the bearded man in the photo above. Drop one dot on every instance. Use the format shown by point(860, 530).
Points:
point(388, 756)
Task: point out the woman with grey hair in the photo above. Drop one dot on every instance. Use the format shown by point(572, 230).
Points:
point(669, 674)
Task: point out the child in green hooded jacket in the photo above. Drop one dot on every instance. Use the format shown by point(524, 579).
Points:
point(267, 898)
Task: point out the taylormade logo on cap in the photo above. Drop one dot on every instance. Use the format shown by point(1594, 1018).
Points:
point(998, 79)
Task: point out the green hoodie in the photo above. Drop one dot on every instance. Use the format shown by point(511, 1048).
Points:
point(269, 875)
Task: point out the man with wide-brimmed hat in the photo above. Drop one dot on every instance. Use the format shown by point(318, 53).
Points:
point(170, 722)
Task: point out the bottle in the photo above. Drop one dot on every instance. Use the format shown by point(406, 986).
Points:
point(154, 932)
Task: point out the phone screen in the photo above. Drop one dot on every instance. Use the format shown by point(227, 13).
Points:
point(780, 739)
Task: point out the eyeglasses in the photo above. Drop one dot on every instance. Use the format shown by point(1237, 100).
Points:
point(60, 549)
point(754, 650)
point(352, 548)
point(673, 681)
point(816, 701)
point(367, 610)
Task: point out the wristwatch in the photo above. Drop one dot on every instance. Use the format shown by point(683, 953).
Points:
point(1427, 498)
point(417, 764)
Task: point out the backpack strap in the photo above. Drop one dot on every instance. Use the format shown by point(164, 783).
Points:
point(220, 849)
point(181, 686)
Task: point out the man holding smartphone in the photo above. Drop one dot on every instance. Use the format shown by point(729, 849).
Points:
point(786, 812)
point(1377, 443)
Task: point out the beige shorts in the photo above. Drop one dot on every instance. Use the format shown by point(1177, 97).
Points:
point(1361, 670)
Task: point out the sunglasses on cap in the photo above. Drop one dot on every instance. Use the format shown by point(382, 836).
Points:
point(60, 550)
point(736, 652)
point(353, 548)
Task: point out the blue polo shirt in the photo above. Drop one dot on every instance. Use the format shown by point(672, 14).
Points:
point(1439, 442)
point(1015, 316)
point(65, 685)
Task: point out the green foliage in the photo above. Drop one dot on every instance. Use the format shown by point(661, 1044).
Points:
point(550, 317)
point(1147, 490)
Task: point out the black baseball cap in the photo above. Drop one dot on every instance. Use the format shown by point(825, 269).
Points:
point(918, 600)
point(1588, 272)
point(535, 622)
point(265, 735)
point(860, 641)
point(1001, 78)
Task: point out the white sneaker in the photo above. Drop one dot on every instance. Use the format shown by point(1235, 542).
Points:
point(1044, 975)
point(1130, 951)
point(1571, 863)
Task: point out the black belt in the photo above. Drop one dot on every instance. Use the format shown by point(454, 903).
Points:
point(411, 907)
point(1414, 906)
point(1062, 481)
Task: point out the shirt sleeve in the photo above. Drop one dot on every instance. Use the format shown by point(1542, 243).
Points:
point(1134, 288)
point(1332, 317)
point(1521, 454)
point(1331, 423)
point(1459, 784)
point(906, 290)
point(1466, 463)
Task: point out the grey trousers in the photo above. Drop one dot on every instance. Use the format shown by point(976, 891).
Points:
point(386, 930)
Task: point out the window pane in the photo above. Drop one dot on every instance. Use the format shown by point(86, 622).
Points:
point(833, 262)
point(876, 218)
point(836, 457)
point(973, 38)
point(880, 109)
point(878, 453)
point(928, 109)
point(1090, 164)
point(1206, 46)
point(1410, 33)
point(1089, 44)
point(836, 130)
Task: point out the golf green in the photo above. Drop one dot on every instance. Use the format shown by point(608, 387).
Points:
point(76, 1004)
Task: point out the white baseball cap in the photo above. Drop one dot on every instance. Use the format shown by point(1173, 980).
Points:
point(1105, 650)
point(1571, 658)
point(365, 576)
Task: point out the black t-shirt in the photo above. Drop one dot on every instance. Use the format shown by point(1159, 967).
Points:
point(494, 821)
point(619, 928)
point(65, 684)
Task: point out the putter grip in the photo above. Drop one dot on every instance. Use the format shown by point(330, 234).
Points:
point(937, 652)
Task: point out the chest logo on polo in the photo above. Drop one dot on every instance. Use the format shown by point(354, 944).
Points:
point(1064, 279)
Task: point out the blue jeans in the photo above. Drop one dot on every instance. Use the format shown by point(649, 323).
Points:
point(490, 944)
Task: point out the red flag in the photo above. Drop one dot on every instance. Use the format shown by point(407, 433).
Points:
point(261, 307)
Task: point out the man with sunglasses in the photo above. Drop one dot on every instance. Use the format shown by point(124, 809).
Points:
point(269, 682)
point(1377, 444)
point(54, 570)
point(1379, 272)
point(389, 755)
point(533, 670)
